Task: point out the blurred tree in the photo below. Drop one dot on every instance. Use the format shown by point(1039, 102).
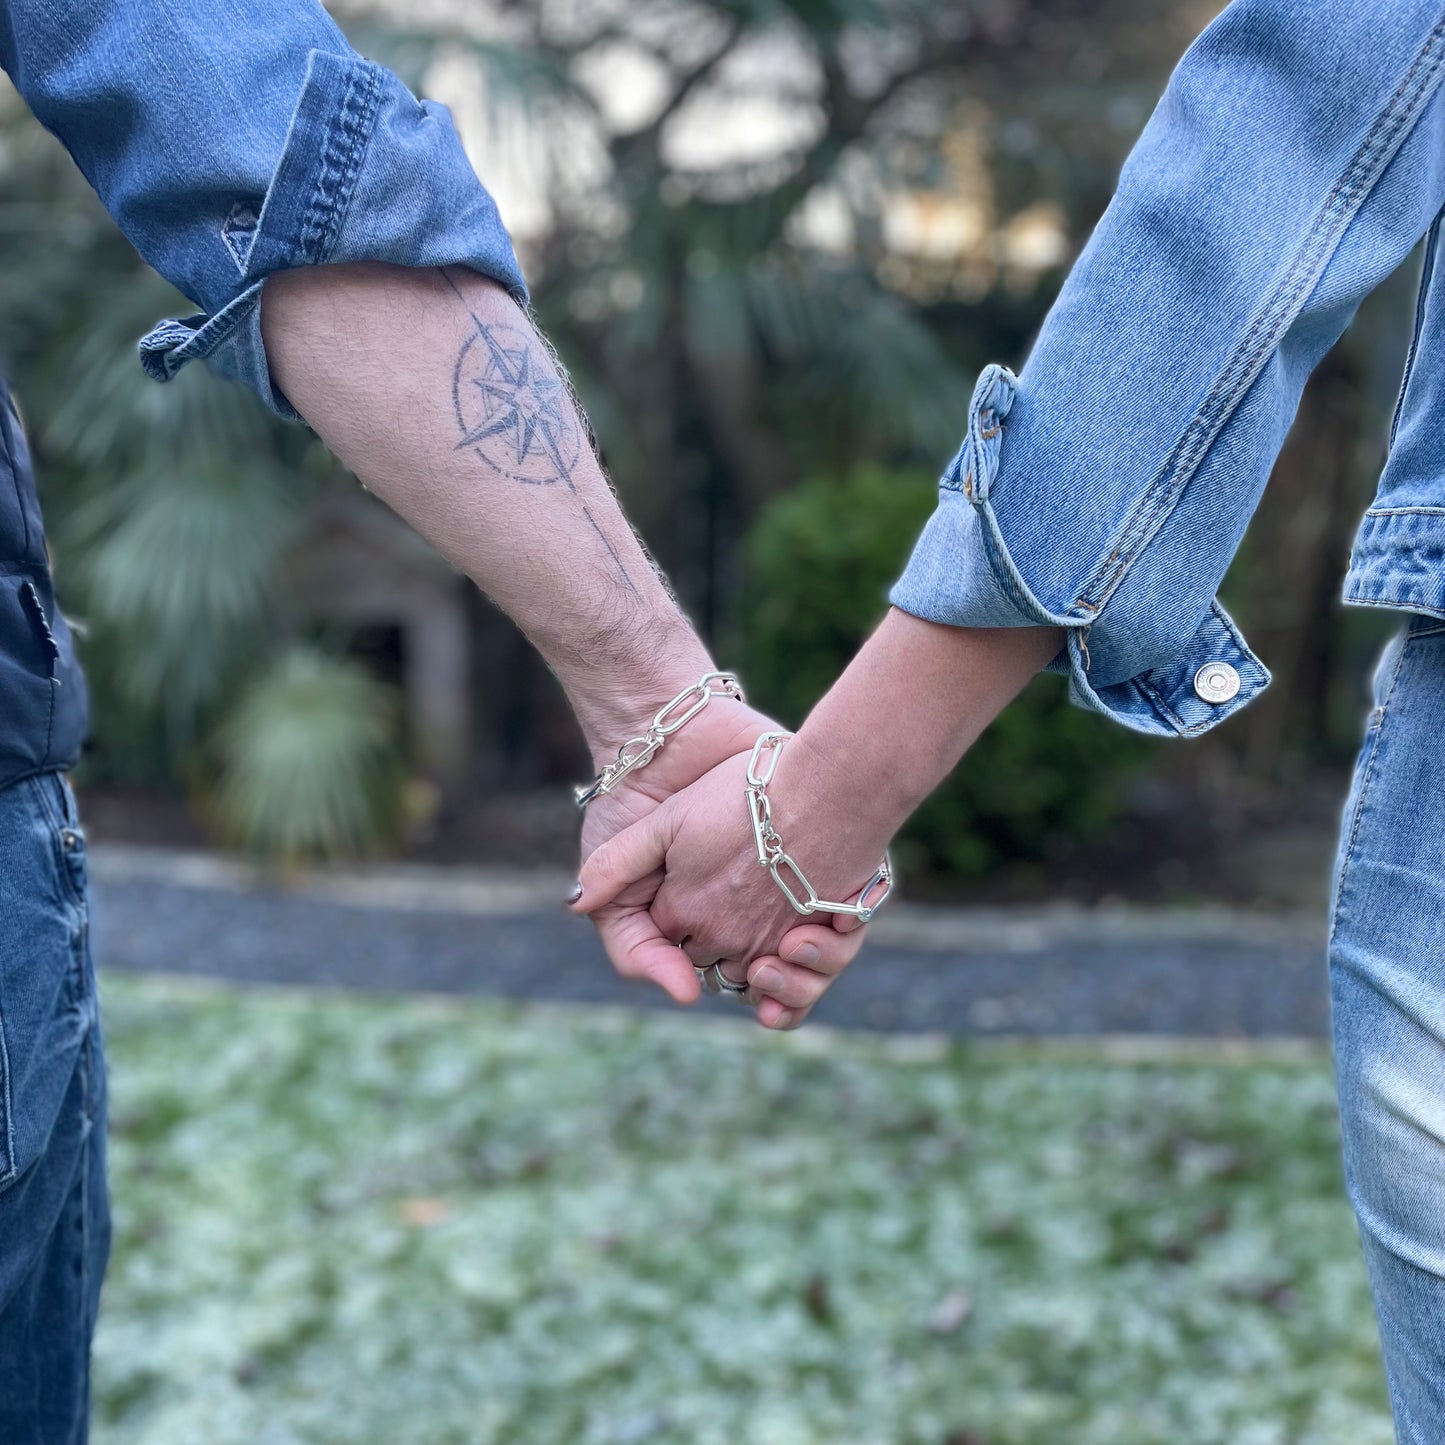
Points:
point(173, 512)
point(746, 200)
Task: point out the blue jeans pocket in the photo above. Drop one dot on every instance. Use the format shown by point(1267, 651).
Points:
point(47, 989)
point(54, 1205)
point(67, 846)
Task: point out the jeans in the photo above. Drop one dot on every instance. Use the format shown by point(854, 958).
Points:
point(1387, 970)
point(54, 1212)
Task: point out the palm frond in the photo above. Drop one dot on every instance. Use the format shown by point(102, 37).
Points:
point(716, 321)
point(102, 411)
point(183, 562)
point(310, 764)
point(860, 357)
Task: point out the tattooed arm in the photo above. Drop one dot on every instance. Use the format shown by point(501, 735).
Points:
point(434, 388)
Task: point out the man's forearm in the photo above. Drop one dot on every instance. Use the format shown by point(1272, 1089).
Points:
point(435, 390)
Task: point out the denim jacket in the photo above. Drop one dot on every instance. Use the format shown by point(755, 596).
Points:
point(231, 139)
point(1296, 159)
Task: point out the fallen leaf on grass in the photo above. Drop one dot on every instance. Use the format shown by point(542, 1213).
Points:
point(818, 1299)
point(952, 1313)
point(422, 1213)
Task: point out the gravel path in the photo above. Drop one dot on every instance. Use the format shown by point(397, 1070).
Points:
point(1053, 971)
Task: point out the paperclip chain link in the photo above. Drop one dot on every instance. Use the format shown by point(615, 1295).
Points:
point(774, 857)
point(638, 752)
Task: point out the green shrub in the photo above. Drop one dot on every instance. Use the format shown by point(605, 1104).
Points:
point(1046, 779)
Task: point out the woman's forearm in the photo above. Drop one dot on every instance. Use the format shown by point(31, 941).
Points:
point(898, 720)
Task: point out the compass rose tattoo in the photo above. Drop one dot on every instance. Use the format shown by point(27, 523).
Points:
point(515, 413)
point(501, 393)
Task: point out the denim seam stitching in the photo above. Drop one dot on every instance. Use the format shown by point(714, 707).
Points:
point(52, 820)
point(1405, 512)
point(50, 721)
point(1184, 729)
point(1227, 623)
point(1161, 705)
point(337, 179)
point(237, 236)
point(1017, 595)
point(53, 657)
point(1236, 636)
point(88, 1065)
point(993, 397)
point(1354, 597)
point(1422, 301)
point(7, 1173)
point(59, 823)
point(8, 441)
point(1341, 205)
point(1378, 718)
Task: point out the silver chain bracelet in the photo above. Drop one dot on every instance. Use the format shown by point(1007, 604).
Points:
point(638, 752)
point(773, 856)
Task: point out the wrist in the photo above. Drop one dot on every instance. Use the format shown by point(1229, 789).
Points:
point(620, 711)
point(844, 756)
point(828, 788)
point(913, 701)
point(617, 683)
point(824, 851)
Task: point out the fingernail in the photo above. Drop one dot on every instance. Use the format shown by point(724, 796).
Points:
point(576, 892)
point(805, 953)
point(767, 979)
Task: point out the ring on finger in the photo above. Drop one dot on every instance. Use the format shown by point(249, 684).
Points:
point(714, 980)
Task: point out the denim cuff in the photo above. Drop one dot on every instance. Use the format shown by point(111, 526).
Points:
point(964, 574)
point(368, 173)
point(1398, 560)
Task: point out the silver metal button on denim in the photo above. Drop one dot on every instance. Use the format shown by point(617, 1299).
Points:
point(1217, 682)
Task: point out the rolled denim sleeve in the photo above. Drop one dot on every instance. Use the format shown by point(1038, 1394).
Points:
point(231, 139)
point(1296, 158)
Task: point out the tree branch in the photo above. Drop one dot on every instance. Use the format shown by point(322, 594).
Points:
point(851, 115)
point(688, 82)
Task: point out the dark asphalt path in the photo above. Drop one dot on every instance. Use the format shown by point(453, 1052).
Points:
point(962, 973)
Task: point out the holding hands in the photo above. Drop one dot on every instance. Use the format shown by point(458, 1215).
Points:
point(452, 441)
point(672, 874)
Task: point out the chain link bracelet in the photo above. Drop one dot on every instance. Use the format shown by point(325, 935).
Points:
point(638, 752)
point(773, 856)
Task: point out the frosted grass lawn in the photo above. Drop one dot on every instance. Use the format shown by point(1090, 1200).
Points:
point(409, 1222)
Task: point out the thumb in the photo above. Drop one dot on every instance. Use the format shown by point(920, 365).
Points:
point(627, 857)
point(638, 950)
